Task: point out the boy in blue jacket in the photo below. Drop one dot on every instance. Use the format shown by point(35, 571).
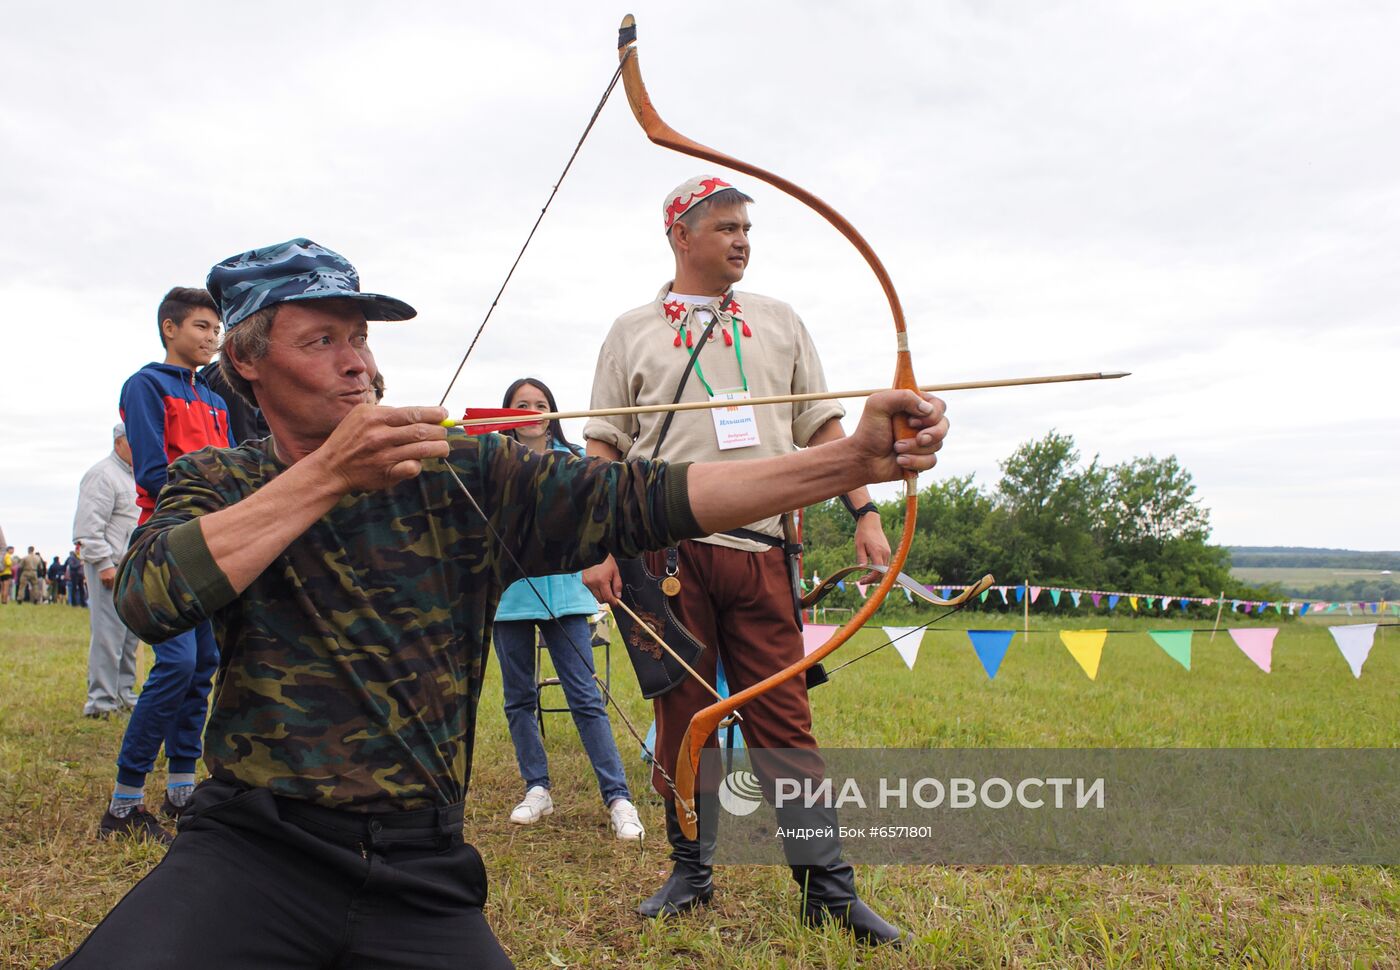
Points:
point(169, 411)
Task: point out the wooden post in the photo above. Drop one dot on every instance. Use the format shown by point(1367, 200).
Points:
point(1217, 616)
point(1026, 599)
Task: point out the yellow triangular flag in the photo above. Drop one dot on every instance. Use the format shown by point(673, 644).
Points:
point(1133, 600)
point(1086, 647)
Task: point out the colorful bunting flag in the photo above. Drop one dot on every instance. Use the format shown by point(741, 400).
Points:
point(1074, 595)
point(983, 597)
point(1055, 597)
point(1096, 598)
point(861, 588)
point(1354, 641)
point(1020, 593)
point(1004, 597)
point(814, 635)
point(1112, 601)
point(1176, 643)
point(1086, 647)
point(1257, 644)
point(1035, 593)
point(991, 647)
point(1133, 602)
point(947, 592)
point(907, 641)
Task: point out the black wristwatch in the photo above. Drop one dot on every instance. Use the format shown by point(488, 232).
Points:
point(856, 513)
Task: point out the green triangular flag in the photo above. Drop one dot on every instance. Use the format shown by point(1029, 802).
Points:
point(983, 597)
point(1176, 643)
point(1055, 596)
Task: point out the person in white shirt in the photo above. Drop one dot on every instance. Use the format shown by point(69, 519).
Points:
point(734, 588)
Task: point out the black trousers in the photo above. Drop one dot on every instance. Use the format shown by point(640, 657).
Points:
point(254, 881)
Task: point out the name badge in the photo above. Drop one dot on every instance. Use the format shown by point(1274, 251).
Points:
point(735, 426)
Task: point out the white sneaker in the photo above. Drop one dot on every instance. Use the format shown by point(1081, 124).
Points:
point(626, 825)
point(535, 806)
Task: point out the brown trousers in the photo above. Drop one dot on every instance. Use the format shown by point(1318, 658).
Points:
point(739, 604)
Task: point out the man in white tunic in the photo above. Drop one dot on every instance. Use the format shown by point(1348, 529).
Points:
point(735, 593)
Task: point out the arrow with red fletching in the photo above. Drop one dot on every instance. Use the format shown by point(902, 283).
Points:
point(482, 420)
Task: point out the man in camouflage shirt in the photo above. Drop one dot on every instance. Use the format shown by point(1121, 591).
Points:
point(352, 587)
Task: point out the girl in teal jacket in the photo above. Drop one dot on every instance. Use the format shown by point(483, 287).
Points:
point(559, 607)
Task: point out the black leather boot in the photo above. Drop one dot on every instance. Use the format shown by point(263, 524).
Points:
point(829, 893)
point(828, 884)
point(690, 884)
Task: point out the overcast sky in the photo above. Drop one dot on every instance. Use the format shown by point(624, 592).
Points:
point(1205, 194)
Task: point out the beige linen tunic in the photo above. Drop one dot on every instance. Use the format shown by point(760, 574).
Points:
point(639, 364)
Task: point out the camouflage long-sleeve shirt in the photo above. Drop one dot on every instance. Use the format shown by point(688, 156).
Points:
point(351, 667)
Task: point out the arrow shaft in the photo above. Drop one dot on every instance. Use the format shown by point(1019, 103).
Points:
point(792, 398)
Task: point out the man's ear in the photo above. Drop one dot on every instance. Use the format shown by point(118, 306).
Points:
point(680, 236)
point(248, 371)
point(169, 327)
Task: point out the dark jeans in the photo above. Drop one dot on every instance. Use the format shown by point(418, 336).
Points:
point(570, 646)
point(254, 881)
point(172, 707)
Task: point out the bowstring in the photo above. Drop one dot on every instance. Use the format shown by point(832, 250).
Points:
point(540, 218)
point(942, 616)
point(602, 687)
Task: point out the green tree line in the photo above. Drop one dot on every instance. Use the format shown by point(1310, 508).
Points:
point(1053, 520)
point(1304, 558)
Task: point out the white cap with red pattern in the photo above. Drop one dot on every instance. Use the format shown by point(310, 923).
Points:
point(688, 194)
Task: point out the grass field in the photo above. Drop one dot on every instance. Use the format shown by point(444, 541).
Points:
point(1301, 577)
point(562, 892)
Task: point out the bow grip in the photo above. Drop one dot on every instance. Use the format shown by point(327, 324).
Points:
point(904, 380)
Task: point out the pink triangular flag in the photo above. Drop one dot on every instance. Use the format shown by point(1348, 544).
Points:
point(814, 635)
point(1257, 644)
point(1035, 593)
point(861, 588)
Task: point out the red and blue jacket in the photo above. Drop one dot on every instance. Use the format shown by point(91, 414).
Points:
point(169, 411)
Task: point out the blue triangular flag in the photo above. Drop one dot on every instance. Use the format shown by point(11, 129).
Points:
point(991, 647)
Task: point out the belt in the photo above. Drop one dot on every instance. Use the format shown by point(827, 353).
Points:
point(424, 826)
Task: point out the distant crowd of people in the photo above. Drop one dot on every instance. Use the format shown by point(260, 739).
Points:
point(26, 578)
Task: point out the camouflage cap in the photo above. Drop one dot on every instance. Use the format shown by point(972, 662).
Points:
point(298, 269)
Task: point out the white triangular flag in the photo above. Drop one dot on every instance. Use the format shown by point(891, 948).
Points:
point(1355, 642)
point(907, 641)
